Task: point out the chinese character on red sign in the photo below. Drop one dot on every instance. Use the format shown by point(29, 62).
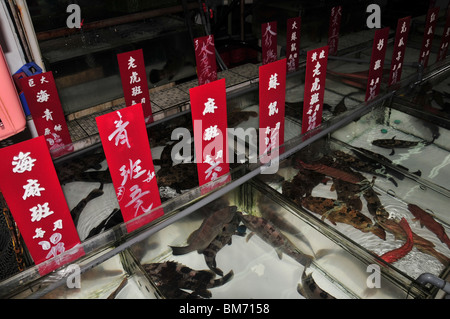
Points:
point(125, 142)
point(333, 30)
point(205, 57)
point(443, 47)
point(45, 108)
point(398, 55)
point(272, 96)
point(269, 42)
point(209, 115)
point(428, 36)
point(32, 190)
point(134, 81)
point(316, 71)
point(377, 63)
point(293, 43)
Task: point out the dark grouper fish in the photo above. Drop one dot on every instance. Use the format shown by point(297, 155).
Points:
point(173, 276)
point(271, 235)
point(208, 230)
point(392, 143)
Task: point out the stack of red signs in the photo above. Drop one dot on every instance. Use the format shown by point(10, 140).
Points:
point(209, 115)
point(316, 71)
point(428, 36)
point(45, 108)
point(401, 37)
point(293, 43)
point(272, 96)
point(333, 30)
point(269, 42)
point(31, 188)
point(205, 57)
point(134, 81)
point(377, 63)
point(125, 142)
point(443, 47)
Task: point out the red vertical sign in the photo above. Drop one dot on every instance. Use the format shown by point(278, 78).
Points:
point(205, 57)
point(293, 43)
point(269, 42)
point(134, 81)
point(377, 63)
point(125, 142)
point(31, 188)
point(443, 47)
point(333, 29)
point(401, 37)
point(45, 108)
point(316, 72)
point(428, 36)
point(272, 96)
point(209, 115)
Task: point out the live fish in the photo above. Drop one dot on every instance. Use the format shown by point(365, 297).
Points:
point(336, 211)
point(271, 235)
point(302, 184)
point(309, 289)
point(366, 155)
point(69, 170)
point(76, 211)
point(224, 238)
point(208, 230)
point(174, 275)
point(429, 222)
point(112, 220)
point(396, 254)
point(179, 177)
point(367, 166)
point(420, 243)
point(332, 172)
point(393, 143)
point(269, 212)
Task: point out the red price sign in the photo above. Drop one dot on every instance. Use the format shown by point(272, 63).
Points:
point(269, 42)
point(333, 30)
point(125, 142)
point(443, 47)
point(209, 115)
point(31, 188)
point(293, 43)
point(272, 96)
point(428, 35)
point(134, 81)
point(45, 108)
point(316, 72)
point(205, 57)
point(377, 63)
point(401, 37)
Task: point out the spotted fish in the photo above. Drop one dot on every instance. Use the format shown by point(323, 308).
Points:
point(173, 276)
point(224, 238)
point(394, 143)
point(208, 230)
point(337, 211)
point(77, 210)
point(309, 289)
point(271, 235)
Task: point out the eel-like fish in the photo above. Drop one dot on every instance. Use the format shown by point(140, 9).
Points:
point(271, 235)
